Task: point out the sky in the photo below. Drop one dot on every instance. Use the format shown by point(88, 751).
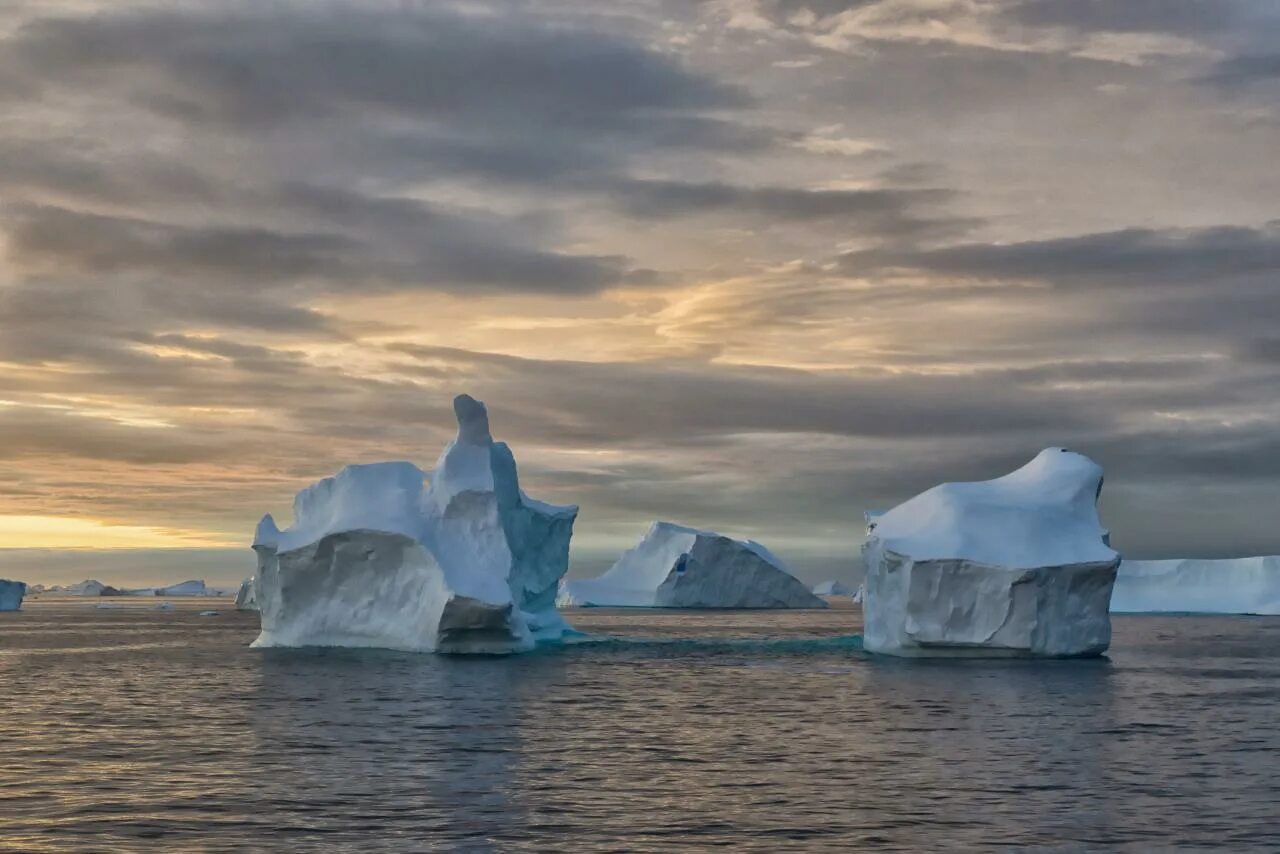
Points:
point(750, 265)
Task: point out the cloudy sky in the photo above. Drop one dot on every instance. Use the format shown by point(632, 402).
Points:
point(755, 265)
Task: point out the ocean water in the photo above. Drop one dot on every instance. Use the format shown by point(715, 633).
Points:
point(142, 730)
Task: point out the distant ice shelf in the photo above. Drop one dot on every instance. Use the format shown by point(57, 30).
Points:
point(1247, 585)
point(678, 567)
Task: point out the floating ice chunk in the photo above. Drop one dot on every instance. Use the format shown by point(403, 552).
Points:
point(11, 593)
point(208, 614)
point(1018, 565)
point(376, 557)
point(1247, 585)
point(679, 567)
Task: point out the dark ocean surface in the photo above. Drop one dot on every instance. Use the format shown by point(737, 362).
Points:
point(133, 729)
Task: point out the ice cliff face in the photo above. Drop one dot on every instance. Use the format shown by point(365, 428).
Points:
point(11, 593)
point(1018, 565)
point(1247, 585)
point(679, 567)
point(377, 557)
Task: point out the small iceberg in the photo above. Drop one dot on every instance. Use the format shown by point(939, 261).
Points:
point(246, 596)
point(678, 567)
point(832, 588)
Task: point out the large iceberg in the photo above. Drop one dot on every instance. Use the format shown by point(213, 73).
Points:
point(11, 593)
point(679, 567)
point(377, 558)
point(246, 596)
point(1019, 565)
point(1247, 585)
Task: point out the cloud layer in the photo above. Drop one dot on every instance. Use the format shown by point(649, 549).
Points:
point(753, 265)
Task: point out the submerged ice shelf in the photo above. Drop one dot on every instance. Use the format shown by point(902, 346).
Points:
point(678, 567)
point(1019, 565)
point(378, 557)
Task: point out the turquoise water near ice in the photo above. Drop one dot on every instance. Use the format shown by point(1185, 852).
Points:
point(143, 730)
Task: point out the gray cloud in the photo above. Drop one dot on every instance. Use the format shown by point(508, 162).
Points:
point(248, 65)
point(1181, 17)
point(1154, 257)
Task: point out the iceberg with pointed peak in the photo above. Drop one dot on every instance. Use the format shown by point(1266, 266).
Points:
point(679, 567)
point(1246, 585)
point(378, 557)
point(1018, 565)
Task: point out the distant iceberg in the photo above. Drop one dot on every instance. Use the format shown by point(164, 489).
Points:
point(678, 567)
point(377, 558)
point(11, 593)
point(185, 588)
point(1247, 585)
point(88, 587)
point(246, 596)
point(833, 588)
point(1019, 565)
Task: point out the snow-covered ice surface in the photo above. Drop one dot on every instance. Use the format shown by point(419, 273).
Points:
point(11, 593)
point(679, 567)
point(246, 596)
point(832, 588)
point(1247, 585)
point(1018, 565)
point(376, 557)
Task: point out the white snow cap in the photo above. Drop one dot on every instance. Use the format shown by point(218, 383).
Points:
point(1043, 514)
point(377, 556)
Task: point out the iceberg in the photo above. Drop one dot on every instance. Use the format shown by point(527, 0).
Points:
point(1247, 585)
point(246, 597)
point(832, 588)
point(376, 557)
point(678, 567)
point(185, 588)
point(1019, 565)
point(11, 593)
point(89, 588)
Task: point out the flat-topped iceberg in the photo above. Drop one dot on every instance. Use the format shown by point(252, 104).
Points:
point(679, 567)
point(1246, 585)
point(376, 557)
point(246, 596)
point(11, 593)
point(1019, 565)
